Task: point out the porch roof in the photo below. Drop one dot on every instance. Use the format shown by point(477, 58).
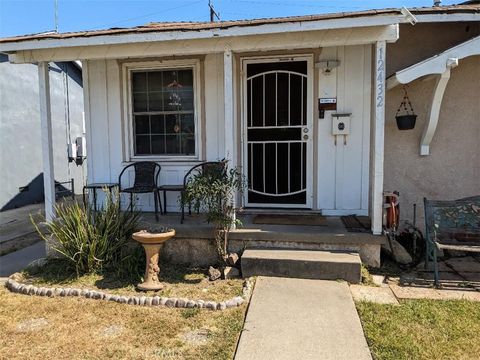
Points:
point(436, 64)
point(201, 30)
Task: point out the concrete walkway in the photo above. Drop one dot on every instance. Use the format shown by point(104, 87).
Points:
point(301, 319)
point(18, 260)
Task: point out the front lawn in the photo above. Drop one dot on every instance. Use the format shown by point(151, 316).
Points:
point(422, 329)
point(33, 327)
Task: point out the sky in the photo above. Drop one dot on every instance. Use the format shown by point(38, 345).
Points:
point(20, 17)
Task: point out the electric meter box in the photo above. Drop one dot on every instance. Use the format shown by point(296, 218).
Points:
point(341, 124)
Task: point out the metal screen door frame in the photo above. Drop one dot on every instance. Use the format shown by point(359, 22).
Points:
point(309, 125)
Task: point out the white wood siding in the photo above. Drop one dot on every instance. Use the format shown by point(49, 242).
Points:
point(106, 136)
point(343, 169)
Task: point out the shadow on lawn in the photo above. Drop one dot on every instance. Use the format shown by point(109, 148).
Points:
point(58, 271)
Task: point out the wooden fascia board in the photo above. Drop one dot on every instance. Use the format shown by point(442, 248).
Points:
point(287, 41)
point(115, 39)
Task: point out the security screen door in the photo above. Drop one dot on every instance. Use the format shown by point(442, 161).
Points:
point(278, 134)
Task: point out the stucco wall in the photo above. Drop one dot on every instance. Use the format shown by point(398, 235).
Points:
point(422, 41)
point(20, 142)
point(453, 168)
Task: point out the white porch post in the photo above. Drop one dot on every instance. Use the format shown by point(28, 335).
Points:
point(229, 108)
point(229, 116)
point(378, 138)
point(47, 145)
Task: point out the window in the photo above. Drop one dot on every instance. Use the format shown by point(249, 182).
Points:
point(163, 112)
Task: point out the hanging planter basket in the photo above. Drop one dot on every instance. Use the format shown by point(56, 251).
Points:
point(407, 120)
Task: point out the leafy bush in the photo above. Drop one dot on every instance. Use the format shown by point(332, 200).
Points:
point(93, 241)
point(213, 192)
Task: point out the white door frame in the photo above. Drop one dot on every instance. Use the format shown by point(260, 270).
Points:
point(310, 165)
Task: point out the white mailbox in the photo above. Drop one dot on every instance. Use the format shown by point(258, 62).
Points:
point(341, 124)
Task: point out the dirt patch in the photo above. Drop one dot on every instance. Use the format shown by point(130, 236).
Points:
point(32, 325)
point(196, 337)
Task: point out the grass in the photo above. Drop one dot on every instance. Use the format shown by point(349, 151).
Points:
point(179, 281)
point(422, 329)
point(78, 328)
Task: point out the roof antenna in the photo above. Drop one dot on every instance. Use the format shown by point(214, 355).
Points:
point(56, 16)
point(213, 13)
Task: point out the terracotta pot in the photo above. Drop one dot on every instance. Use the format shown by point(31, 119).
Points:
point(152, 243)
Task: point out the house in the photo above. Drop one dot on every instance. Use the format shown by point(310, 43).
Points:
point(304, 105)
point(21, 143)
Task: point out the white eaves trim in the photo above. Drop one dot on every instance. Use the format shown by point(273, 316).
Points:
point(437, 64)
point(114, 39)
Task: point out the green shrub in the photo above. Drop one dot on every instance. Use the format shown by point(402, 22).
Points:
point(213, 192)
point(94, 241)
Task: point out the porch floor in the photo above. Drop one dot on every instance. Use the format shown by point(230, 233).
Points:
point(333, 231)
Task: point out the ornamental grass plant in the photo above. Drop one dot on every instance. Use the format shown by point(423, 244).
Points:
point(94, 241)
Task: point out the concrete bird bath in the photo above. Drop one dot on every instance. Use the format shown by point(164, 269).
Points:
point(152, 242)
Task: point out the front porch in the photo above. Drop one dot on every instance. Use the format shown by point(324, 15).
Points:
point(193, 242)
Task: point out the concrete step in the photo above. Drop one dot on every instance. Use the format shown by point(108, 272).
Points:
point(303, 264)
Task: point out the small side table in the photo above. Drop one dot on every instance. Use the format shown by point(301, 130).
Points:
point(166, 188)
point(94, 187)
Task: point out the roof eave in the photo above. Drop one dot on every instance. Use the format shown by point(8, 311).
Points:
point(117, 39)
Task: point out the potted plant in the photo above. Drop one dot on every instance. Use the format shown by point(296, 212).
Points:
point(408, 119)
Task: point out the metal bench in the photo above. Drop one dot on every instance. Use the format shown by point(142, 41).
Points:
point(451, 225)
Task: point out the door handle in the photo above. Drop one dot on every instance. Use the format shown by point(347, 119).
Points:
point(305, 137)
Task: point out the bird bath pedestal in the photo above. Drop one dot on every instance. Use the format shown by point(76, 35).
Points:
point(152, 242)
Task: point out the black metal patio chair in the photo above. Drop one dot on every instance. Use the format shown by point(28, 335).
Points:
point(146, 181)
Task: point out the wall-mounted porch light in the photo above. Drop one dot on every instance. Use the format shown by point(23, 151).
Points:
point(327, 66)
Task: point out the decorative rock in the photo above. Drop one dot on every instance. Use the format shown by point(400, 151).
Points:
point(212, 305)
point(231, 273)
point(214, 274)
point(171, 302)
point(238, 300)
point(231, 303)
point(14, 286)
point(232, 259)
point(181, 303)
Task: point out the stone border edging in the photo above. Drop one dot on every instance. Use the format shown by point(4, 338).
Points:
point(19, 288)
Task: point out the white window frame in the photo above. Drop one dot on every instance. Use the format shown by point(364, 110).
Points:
point(127, 69)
